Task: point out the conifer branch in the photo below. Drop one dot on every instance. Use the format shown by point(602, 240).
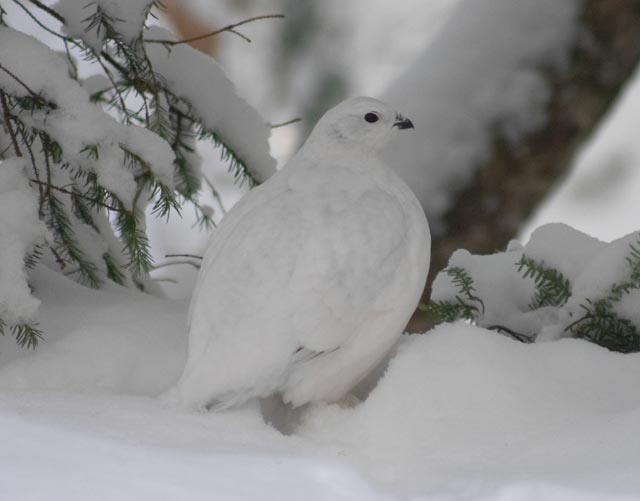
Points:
point(552, 287)
point(139, 96)
point(461, 278)
point(231, 28)
point(26, 335)
point(70, 59)
point(460, 308)
point(136, 243)
point(48, 10)
point(45, 143)
point(107, 57)
point(33, 94)
point(114, 271)
point(601, 323)
point(36, 172)
point(123, 106)
point(284, 124)
point(7, 120)
point(74, 194)
point(42, 25)
point(214, 193)
point(515, 335)
point(194, 256)
point(60, 221)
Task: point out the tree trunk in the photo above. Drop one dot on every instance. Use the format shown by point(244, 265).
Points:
point(514, 181)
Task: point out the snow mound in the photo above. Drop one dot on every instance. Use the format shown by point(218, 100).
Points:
point(463, 409)
point(113, 461)
point(114, 340)
point(561, 283)
point(461, 413)
point(20, 231)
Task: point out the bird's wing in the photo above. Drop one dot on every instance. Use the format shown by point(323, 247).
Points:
point(345, 265)
point(307, 262)
point(209, 285)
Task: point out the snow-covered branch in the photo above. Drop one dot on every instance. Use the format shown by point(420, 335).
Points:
point(231, 28)
point(562, 283)
point(100, 150)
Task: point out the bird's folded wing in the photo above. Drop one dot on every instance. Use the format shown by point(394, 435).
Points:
point(312, 267)
point(345, 267)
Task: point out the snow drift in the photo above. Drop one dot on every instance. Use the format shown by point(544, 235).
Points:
point(461, 412)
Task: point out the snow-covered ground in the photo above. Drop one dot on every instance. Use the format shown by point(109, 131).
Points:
point(461, 413)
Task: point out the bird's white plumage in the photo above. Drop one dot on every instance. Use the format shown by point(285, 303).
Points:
point(310, 279)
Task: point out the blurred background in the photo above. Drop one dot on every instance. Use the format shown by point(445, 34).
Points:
point(325, 51)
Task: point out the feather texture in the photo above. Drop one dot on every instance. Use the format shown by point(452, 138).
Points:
point(312, 277)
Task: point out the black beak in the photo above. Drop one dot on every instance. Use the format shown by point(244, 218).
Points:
point(403, 123)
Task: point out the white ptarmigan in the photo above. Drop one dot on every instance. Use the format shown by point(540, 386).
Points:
point(311, 278)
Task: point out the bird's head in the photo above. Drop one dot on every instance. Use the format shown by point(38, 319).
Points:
point(362, 121)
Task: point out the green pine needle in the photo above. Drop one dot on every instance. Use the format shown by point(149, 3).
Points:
point(26, 334)
point(600, 322)
point(467, 305)
point(552, 287)
point(135, 95)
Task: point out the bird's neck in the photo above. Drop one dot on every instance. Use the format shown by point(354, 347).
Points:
point(337, 148)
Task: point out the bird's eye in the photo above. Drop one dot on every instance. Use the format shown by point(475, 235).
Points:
point(372, 117)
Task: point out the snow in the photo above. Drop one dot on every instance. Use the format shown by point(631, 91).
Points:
point(76, 123)
point(125, 449)
point(627, 307)
point(201, 82)
point(484, 71)
point(128, 19)
point(608, 267)
point(76, 23)
point(591, 266)
point(460, 413)
point(20, 230)
point(564, 248)
point(142, 354)
point(462, 407)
